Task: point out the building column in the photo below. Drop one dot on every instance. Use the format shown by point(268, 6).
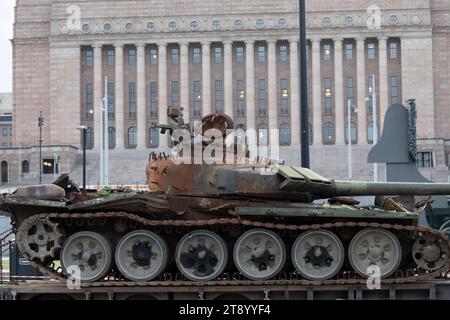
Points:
point(250, 84)
point(140, 90)
point(206, 78)
point(162, 91)
point(98, 96)
point(184, 79)
point(362, 89)
point(228, 77)
point(119, 103)
point(384, 89)
point(339, 92)
point(272, 92)
point(316, 91)
point(295, 101)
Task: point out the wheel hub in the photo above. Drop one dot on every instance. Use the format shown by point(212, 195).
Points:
point(142, 253)
point(319, 257)
point(262, 258)
point(375, 253)
point(200, 259)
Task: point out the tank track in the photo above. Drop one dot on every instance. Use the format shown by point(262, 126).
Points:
point(227, 279)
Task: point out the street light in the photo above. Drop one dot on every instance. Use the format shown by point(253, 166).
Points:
point(84, 130)
point(40, 124)
point(350, 106)
point(350, 109)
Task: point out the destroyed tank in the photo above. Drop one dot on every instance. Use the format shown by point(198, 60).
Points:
point(249, 222)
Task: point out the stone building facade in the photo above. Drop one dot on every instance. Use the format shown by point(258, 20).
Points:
point(237, 57)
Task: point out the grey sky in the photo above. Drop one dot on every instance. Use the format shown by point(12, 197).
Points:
point(6, 33)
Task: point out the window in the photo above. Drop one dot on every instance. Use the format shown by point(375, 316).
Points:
point(175, 57)
point(110, 57)
point(132, 100)
point(350, 93)
point(218, 55)
point(394, 90)
point(285, 134)
point(89, 138)
point(349, 51)
point(153, 56)
point(175, 94)
point(348, 21)
point(240, 55)
point(132, 140)
point(261, 54)
point(132, 57)
point(237, 24)
point(216, 24)
point(328, 102)
point(326, 21)
point(25, 166)
point(89, 101)
point(371, 51)
point(154, 137)
point(111, 137)
point(5, 132)
point(260, 23)
point(219, 96)
point(310, 134)
point(89, 57)
point(172, 26)
point(111, 100)
point(393, 50)
point(196, 59)
point(154, 99)
point(263, 139)
point(240, 95)
point(328, 133)
point(353, 132)
point(425, 159)
point(49, 166)
point(262, 97)
point(327, 52)
point(197, 98)
point(370, 132)
point(195, 25)
point(284, 103)
point(283, 53)
point(4, 169)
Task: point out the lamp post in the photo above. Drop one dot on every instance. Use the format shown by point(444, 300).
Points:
point(40, 124)
point(373, 92)
point(84, 133)
point(303, 86)
point(349, 138)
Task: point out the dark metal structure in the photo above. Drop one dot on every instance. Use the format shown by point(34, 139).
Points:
point(304, 86)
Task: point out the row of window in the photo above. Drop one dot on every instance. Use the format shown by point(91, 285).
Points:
point(131, 137)
point(7, 132)
point(196, 55)
point(350, 92)
point(371, 51)
point(283, 54)
point(197, 95)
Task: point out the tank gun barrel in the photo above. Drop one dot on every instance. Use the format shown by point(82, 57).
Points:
point(358, 188)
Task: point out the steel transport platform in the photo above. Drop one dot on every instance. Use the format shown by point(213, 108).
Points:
point(51, 290)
